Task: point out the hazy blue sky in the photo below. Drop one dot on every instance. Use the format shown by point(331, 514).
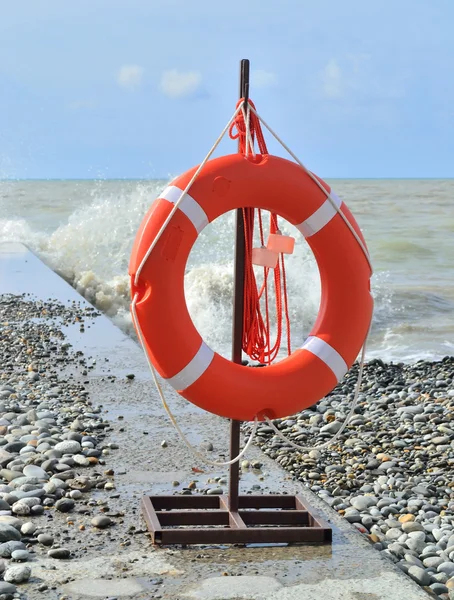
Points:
point(141, 88)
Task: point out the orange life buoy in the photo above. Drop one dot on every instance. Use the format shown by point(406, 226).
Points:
point(172, 342)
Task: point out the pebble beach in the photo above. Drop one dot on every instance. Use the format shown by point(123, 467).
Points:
point(390, 473)
point(52, 442)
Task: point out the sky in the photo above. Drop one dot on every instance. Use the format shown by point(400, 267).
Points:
point(142, 88)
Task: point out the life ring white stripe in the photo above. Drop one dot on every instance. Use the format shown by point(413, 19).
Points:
point(193, 370)
point(327, 354)
point(321, 217)
point(188, 205)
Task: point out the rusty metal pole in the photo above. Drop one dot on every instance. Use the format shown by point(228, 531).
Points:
point(238, 312)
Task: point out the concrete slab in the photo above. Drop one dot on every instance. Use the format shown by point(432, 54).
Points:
point(102, 588)
point(268, 588)
point(349, 569)
point(232, 588)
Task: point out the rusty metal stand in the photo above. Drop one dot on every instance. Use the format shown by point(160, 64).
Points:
point(234, 519)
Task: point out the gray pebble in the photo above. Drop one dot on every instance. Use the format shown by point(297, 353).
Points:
point(439, 588)
point(20, 555)
point(18, 574)
point(412, 526)
point(21, 509)
point(7, 588)
point(363, 502)
point(64, 505)
point(68, 447)
point(447, 568)
point(101, 522)
point(413, 560)
point(433, 562)
point(419, 575)
point(76, 494)
point(61, 553)
point(7, 548)
point(7, 533)
point(34, 471)
point(45, 539)
point(28, 528)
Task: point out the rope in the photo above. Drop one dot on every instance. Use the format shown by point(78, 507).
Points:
point(256, 327)
point(169, 412)
point(337, 435)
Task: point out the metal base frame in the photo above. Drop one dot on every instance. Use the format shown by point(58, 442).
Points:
point(209, 520)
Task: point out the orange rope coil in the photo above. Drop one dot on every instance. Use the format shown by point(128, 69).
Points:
point(256, 328)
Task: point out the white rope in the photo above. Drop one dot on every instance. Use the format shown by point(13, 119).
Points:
point(324, 190)
point(183, 193)
point(249, 140)
point(169, 412)
point(337, 435)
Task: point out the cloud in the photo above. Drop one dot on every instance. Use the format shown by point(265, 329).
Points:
point(130, 76)
point(178, 84)
point(332, 83)
point(261, 78)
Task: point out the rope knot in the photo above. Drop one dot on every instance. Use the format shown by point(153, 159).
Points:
point(255, 129)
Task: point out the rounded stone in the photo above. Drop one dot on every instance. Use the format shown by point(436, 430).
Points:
point(7, 548)
point(101, 522)
point(7, 589)
point(432, 562)
point(60, 553)
point(417, 535)
point(412, 526)
point(439, 588)
point(362, 503)
point(8, 533)
point(413, 560)
point(406, 518)
point(65, 505)
point(81, 461)
point(45, 539)
point(18, 574)
point(393, 534)
point(34, 471)
point(68, 447)
point(446, 567)
point(28, 528)
point(419, 575)
point(20, 555)
point(10, 520)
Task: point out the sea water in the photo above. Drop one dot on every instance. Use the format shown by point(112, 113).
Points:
point(85, 230)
